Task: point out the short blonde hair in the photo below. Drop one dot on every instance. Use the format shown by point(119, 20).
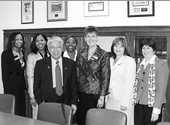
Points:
point(55, 39)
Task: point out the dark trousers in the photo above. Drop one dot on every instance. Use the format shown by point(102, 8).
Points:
point(20, 101)
point(142, 115)
point(87, 101)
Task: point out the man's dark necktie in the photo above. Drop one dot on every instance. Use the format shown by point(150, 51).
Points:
point(59, 89)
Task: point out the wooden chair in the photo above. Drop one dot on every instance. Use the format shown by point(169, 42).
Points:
point(7, 103)
point(105, 117)
point(163, 123)
point(55, 113)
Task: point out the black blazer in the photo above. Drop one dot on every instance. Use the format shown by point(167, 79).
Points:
point(43, 83)
point(12, 72)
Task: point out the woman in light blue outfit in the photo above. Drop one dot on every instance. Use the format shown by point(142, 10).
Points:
point(123, 68)
point(38, 51)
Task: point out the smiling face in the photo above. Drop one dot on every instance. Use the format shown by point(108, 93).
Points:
point(91, 39)
point(71, 45)
point(147, 51)
point(55, 49)
point(18, 42)
point(119, 49)
point(40, 43)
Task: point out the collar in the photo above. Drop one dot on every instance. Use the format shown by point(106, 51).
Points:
point(54, 60)
point(150, 61)
point(66, 55)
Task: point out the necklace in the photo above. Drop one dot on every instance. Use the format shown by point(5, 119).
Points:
point(91, 53)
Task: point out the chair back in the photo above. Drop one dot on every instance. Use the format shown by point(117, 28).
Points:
point(163, 123)
point(7, 103)
point(105, 117)
point(53, 112)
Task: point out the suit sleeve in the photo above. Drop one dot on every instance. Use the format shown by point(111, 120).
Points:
point(5, 72)
point(37, 83)
point(74, 86)
point(30, 75)
point(105, 74)
point(161, 84)
point(129, 80)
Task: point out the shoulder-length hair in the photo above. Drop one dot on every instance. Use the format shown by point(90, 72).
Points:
point(34, 48)
point(123, 42)
point(11, 41)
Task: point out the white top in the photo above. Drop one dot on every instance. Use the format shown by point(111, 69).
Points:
point(53, 61)
point(122, 79)
point(67, 56)
point(150, 61)
point(31, 61)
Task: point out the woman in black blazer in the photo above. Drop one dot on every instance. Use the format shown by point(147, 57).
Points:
point(13, 65)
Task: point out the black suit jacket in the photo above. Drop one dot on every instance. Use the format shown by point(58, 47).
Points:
point(10, 69)
point(43, 83)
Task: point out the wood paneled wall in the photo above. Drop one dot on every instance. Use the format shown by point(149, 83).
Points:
point(130, 32)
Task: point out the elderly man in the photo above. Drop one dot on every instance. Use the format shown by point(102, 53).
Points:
point(55, 77)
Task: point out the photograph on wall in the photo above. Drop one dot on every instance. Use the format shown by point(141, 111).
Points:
point(27, 12)
point(56, 11)
point(96, 8)
point(140, 8)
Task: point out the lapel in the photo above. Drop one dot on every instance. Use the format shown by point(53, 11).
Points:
point(48, 69)
point(119, 63)
point(65, 64)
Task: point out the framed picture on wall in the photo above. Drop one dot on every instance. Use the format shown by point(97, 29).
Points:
point(27, 12)
point(96, 8)
point(56, 11)
point(140, 8)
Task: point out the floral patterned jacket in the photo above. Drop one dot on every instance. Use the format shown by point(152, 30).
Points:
point(93, 74)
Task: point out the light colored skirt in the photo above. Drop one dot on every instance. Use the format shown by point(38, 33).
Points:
point(111, 103)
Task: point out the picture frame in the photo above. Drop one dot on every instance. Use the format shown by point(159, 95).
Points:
point(96, 8)
point(27, 12)
point(57, 11)
point(140, 8)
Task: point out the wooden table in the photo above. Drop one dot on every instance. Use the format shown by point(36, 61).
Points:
point(9, 119)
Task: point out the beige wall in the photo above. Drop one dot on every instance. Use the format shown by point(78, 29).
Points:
point(10, 17)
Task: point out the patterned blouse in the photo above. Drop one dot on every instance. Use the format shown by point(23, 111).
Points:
point(93, 74)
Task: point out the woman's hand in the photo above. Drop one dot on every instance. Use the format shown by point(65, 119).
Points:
point(33, 102)
point(154, 117)
point(123, 108)
point(100, 103)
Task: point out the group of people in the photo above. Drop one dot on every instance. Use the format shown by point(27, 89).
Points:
point(88, 78)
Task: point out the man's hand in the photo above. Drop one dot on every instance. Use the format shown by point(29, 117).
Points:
point(74, 108)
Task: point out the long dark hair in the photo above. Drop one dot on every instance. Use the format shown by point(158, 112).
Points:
point(11, 40)
point(34, 48)
point(123, 41)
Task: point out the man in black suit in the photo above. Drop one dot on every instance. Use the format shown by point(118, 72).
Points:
point(45, 82)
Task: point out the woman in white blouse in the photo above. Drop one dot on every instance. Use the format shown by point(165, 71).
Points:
point(70, 45)
point(38, 51)
point(123, 68)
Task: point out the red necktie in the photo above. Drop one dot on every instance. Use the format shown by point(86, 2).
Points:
point(59, 89)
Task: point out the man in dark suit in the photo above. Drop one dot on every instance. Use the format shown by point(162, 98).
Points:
point(46, 86)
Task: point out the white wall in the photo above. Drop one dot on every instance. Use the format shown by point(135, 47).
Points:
point(10, 17)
